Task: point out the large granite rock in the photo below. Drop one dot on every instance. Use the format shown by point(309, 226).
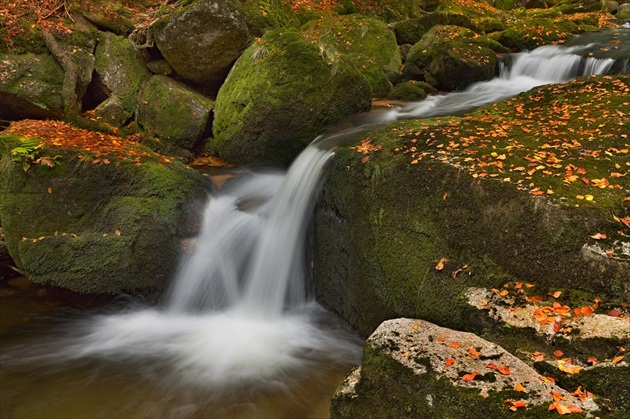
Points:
point(416, 369)
point(174, 112)
point(365, 42)
point(120, 72)
point(279, 96)
point(451, 57)
point(202, 41)
point(30, 87)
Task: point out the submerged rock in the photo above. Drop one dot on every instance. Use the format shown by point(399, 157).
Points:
point(92, 221)
point(279, 96)
point(416, 369)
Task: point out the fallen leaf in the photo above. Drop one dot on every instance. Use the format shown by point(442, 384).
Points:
point(454, 345)
point(617, 359)
point(519, 387)
point(415, 326)
point(504, 369)
point(50, 190)
point(518, 405)
point(449, 362)
point(562, 409)
point(469, 377)
point(558, 353)
point(117, 232)
point(599, 236)
point(539, 356)
point(473, 352)
point(440, 264)
point(592, 360)
point(441, 339)
point(614, 312)
point(557, 294)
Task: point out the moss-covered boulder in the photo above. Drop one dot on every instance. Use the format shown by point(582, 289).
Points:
point(483, 14)
point(411, 31)
point(451, 57)
point(30, 87)
point(90, 212)
point(534, 32)
point(387, 10)
point(416, 369)
point(174, 112)
point(280, 95)
point(120, 71)
point(518, 189)
point(202, 40)
point(365, 42)
point(411, 91)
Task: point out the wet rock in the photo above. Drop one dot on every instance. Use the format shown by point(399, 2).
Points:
point(452, 58)
point(174, 112)
point(202, 41)
point(416, 369)
point(279, 96)
point(30, 87)
point(120, 71)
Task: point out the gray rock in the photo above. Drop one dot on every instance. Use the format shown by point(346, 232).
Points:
point(111, 111)
point(120, 70)
point(30, 87)
point(202, 41)
point(416, 369)
point(160, 67)
point(174, 112)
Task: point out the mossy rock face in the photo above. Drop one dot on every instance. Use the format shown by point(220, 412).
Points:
point(484, 16)
point(120, 70)
point(411, 31)
point(97, 221)
point(411, 91)
point(30, 87)
point(365, 42)
point(532, 33)
point(498, 191)
point(451, 57)
point(175, 113)
point(202, 40)
point(279, 96)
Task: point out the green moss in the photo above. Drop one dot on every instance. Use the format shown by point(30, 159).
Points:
point(279, 96)
point(534, 32)
point(440, 188)
point(389, 389)
point(97, 227)
point(410, 91)
point(365, 42)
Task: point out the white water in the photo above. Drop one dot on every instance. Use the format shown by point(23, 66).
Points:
point(239, 312)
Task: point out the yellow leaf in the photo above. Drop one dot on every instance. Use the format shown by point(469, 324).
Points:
point(440, 264)
point(519, 387)
point(117, 232)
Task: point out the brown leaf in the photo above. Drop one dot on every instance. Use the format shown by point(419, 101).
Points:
point(440, 264)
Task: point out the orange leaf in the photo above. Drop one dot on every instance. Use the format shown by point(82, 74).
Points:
point(617, 359)
point(449, 362)
point(473, 352)
point(519, 387)
point(469, 377)
point(562, 409)
point(454, 345)
point(518, 405)
point(539, 356)
point(558, 353)
point(441, 339)
point(599, 236)
point(575, 409)
point(440, 264)
point(592, 360)
point(504, 369)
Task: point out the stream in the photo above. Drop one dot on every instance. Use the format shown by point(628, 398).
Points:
point(238, 333)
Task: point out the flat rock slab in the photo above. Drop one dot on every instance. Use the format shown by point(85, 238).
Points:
point(438, 360)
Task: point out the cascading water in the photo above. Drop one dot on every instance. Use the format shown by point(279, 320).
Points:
point(239, 314)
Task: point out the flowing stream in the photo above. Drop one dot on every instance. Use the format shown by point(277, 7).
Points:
point(238, 334)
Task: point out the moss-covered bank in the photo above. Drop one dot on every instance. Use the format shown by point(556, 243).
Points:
point(498, 193)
